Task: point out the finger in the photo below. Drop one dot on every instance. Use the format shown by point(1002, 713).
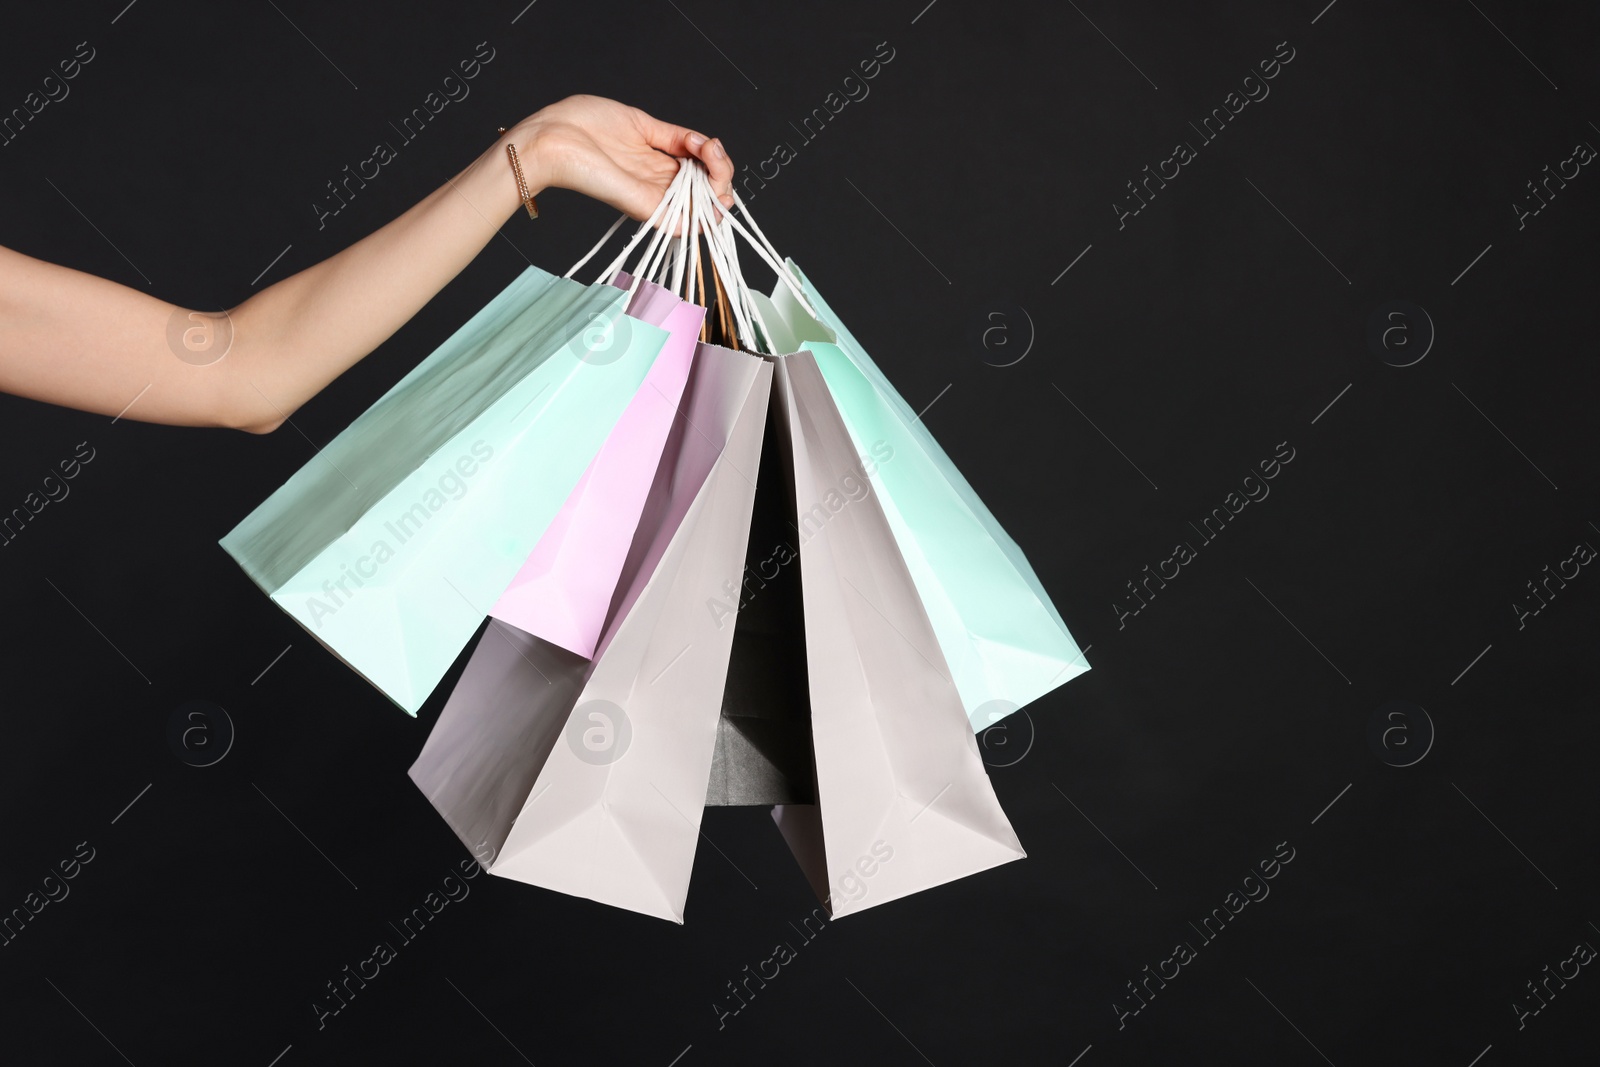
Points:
point(720, 169)
point(673, 140)
point(682, 141)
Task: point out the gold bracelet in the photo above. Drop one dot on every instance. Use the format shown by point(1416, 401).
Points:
point(522, 183)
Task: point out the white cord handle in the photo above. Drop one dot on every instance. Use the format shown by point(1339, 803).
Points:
point(690, 206)
point(687, 221)
point(734, 282)
point(716, 244)
point(769, 254)
point(649, 264)
point(644, 228)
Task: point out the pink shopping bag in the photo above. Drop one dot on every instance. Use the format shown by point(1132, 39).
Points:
point(564, 590)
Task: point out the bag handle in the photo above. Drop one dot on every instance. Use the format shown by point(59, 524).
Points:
point(723, 270)
point(763, 247)
point(729, 225)
point(645, 227)
point(688, 221)
point(760, 336)
point(669, 266)
point(689, 205)
point(655, 260)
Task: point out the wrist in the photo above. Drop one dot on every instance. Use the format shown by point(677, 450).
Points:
point(525, 137)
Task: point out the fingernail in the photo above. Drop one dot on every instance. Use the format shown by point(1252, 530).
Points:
point(716, 149)
point(696, 140)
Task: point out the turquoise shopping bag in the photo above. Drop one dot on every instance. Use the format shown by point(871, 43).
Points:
point(391, 544)
point(1002, 637)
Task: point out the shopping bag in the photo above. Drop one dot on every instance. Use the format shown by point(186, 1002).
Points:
point(588, 776)
point(391, 543)
point(903, 800)
point(1004, 640)
point(564, 588)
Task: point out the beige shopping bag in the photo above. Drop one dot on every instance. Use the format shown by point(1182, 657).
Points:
point(903, 800)
point(590, 777)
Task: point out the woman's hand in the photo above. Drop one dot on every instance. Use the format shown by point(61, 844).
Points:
point(614, 153)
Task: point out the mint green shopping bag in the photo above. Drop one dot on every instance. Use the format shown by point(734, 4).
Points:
point(1002, 637)
point(391, 544)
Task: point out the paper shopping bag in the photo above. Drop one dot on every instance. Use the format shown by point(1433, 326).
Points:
point(564, 588)
point(390, 544)
point(588, 776)
point(1004, 640)
point(903, 800)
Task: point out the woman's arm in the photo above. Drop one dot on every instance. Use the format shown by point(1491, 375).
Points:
point(74, 339)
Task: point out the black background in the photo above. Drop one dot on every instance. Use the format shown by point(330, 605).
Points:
point(1231, 714)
